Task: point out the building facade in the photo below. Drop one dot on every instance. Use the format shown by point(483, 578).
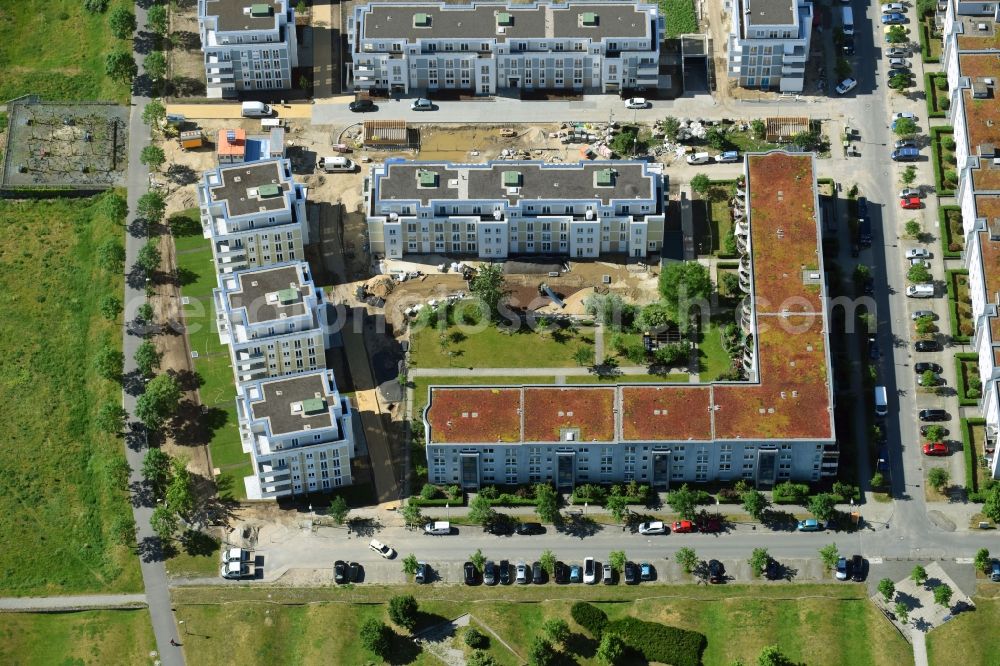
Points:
point(273, 320)
point(485, 47)
point(508, 208)
point(776, 426)
point(254, 214)
point(247, 46)
point(298, 433)
point(769, 43)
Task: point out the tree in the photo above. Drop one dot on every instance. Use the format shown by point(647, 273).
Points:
point(120, 66)
point(909, 175)
point(164, 522)
point(843, 68)
point(490, 287)
point(144, 313)
point(584, 356)
point(912, 229)
point(896, 35)
point(772, 656)
point(899, 81)
point(991, 507)
point(480, 658)
point(918, 273)
point(542, 653)
point(758, 128)
point(478, 559)
point(617, 506)
point(154, 112)
point(887, 588)
point(480, 511)
point(96, 6)
point(476, 639)
point(684, 284)
point(557, 630)
point(111, 255)
point(938, 478)
point(548, 561)
point(148, 258)
point(114, 206)
point(983, 560)
point(928, 378)
point(655, 317)
point(823, 506)
point(755, 503)
point(701, 183)
point(617, 559)
point(153, 157)
point(375, 636)
point(717, 137)
point(412, 515)
point(687, 558)
point(111, 307)
point(338, 510)
point(122, 22)
point(155, 65)
point(156, 470)
point(180, 492)
point(410, 564)
point(156, 19)
point(902, 612)
point(403, 610)
point(808, 140)
point(151, 206)
point(758, 560)
point(670, 127)
point(611, 650)
point(158, 402)
point(829, 555)
point(918, 575)
point(683, 501)
point(935, 433)
point(673, 353)
point(942, 595)
point(877, 480)
point(547, 503)
point(904, 127)
point(111, 418)
point(109, 363)
point(147, 358)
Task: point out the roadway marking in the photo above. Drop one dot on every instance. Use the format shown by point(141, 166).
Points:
point(964, 560)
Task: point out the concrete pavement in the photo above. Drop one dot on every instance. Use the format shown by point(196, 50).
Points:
point(72, 603)
point(232, 110)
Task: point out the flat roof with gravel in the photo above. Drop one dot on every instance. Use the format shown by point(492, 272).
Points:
point(240, 15)
point(252, 188)
point(268, 294)
point(296, 403)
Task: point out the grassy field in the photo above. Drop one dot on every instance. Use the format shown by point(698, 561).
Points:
point(58, 503)
point(970, 638)
point(68, 62)
point(86, 637)
point(714, 358)
point(826, 624)
point(680, 15)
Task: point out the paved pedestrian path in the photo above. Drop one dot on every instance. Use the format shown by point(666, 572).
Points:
point(518, 372)
point(80, 602)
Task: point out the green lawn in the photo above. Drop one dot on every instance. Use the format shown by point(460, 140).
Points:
point(680, 15)
point(969, 638)
point(86, 637)
point(814, 624)
point(57, 501)
point(56, 49)
point(714, 358)
point(961, 304)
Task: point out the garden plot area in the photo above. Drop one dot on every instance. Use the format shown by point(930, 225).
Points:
point(67, 146)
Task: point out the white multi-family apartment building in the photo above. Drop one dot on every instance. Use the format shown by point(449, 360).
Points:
point(769, 43)
point(484, 47)
point(506, 208)
point(777, 426)
point(298, 433)
point(273, 320)
point(248, 45)
point(254, 214)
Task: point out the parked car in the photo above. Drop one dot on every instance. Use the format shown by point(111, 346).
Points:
point(236, 570)
point(848, 45)
point(521, 575)
point(911, 203)
point(382, 549)
point(846, 86)
point(698, 158)
point(995, 571)
point(924, 366)
point(716, 572)
point(873, 350)
point(537, 573)
point(438, 528)
point(528, 529)
point(842, 569)
point(893, 8)
point(894, 18)
point(362, 105)
point(910, 192)
point(422, 104)
point(862, 204)
point(728, 156)
point(560, 573)
point(423, 574)
point(589, 571)
point(575, 574)
point(935, 449)
point(899, 115)
point(933, 415)
point(810, 525)
point(918, 253)
point(857, 568)
point(869, 286)
point(920, 314)
point(897, 52)
point(645, 571)
point(682, 527)
point(505, 573)
point(927, 346)
point(909, 154)
point(469, 572)
point(490, 573)
point(654, 527)
point(236, 555)
point(905, 143)
point(631, 573)
point(353, 572)
point(607, 575)
point(899, 63)
point(636, 103)
point(340, 572)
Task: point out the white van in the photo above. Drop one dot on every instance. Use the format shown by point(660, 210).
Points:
point(847, 14)
point(255, 110)
point(334, 164)
point(881, 401)
point(920, 291)
point(699, 158)
point(271, 123)
point(438, 528)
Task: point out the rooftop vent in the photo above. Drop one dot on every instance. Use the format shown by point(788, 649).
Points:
point(605, 178)
point(421, 20)
point(268, 191)
point(427, 178)
point(589, 19)
point(511, 178)
point(313, 406)
point(260, 10)
point(505, 19)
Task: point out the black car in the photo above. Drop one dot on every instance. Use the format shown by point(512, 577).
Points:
point(772, 571)
point(423, 574)
point(560, 573)
point(857, 568)
point(848, 45)
point(926, 429)
point(873, 348)
point(353, 572)
point(927, 346)
point(537, 573)
point(921, 368)
point(469, 570)
point(490, 573)
point(362, 105)
point(528, 529)
point(869, 286)
point(716, 572)
point(631, 573)
point(933, 415)
point(862, 207)
point(340, 572)
point(506, 577)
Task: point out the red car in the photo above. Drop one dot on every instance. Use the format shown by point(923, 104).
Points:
point(935, 449)
point(682, 527)
point(910, 203)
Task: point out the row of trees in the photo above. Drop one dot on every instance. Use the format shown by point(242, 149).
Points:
point(119, 63)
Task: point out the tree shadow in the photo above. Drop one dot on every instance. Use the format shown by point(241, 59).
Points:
point(402, 650)
point(185, 39)
point(363, 527)
point(184, 86)
point(150, 549)
point(187, 380)
point(197, 543)
point(578, 525)
point(779, 520)
point(194, 424)
point(786, 572)
point(181, 174)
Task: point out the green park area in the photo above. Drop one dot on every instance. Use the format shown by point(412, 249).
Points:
point(970, 637)
point(83, 637)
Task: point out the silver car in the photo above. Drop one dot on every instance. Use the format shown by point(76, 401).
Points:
point(899, 63)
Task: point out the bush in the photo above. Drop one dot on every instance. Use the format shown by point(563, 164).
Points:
point(790, 493)
point(476, 639)
point(590, 617)
point(659, 642)
point(948, 142)
point(590, 493)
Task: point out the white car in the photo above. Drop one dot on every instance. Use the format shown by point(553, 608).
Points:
point(910, 192)
point(438, 528)
point(846, 86)
point(893, 8)
point(422, 104)
point(382, 549)
point(903, 114)
point(522, 573)
point(589, 571)
point(920, 262)
point(897, 51)
point(636, 103)
point(655, 527)
point(241, 555)
point(918, 253)
point(699, 158)
point(899, 63)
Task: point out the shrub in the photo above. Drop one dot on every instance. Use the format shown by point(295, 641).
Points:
point(948, 142)
point(944, 104)
point(476, 639)
point(941, 83)
point(590, 617)
point(790, 493)
point(658, 642)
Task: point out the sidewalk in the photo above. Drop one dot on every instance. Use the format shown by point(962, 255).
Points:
point(73, 603)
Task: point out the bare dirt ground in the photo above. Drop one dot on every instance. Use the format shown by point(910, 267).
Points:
point(186, 62)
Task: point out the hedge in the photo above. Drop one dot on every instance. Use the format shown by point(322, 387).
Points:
point(971, 489)
point(925, 42)
point(946, 239)
point(931, 93)
point(507, 499)
point(956, 336)
point(417, 500)
point(590, 617)
point(659, 642)
point(939, 165)
point(963, 389)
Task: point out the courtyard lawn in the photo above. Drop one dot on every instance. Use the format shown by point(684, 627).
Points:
point(59, 505)
point(814, 624)
point(959, 305)
point(971, 637)
point(680, 15)
point(56, 49)
point(952, 237)
point(944, 159)
point(84, 637)
point(714, 358)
